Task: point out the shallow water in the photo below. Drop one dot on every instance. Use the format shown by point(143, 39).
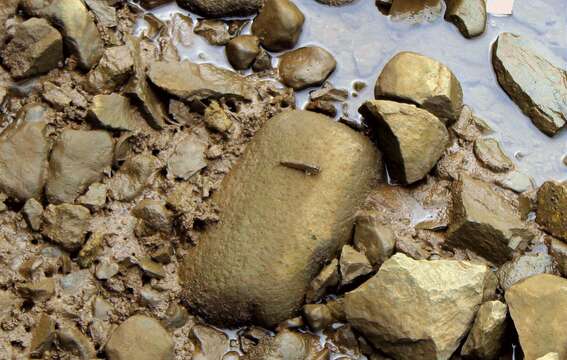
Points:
point(363, 40)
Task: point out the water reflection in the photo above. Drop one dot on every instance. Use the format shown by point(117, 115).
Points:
point(363, 40)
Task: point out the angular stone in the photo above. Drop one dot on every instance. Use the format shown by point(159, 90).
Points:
point(104, 13)
point(141, 338)
point(114, 112)
point(489, 152)
point(523, 267)
point(537, 306)
point(35, 49)
point(535, 85)
point(284, 246)
point(558, 250)
point(418, 309)
point(32, 213)
point(353, 265)
point(412, 140)
point(551, 211)
point(189, 81)
point(133, 176)
point(188, 158)
point(517, 182)
point(484, 222)
point(154, 214)
point(91, 249)
point(242, 51)
point(377, 241)
point(486, 336)
point(469, 16)
point(79, 158)
point(327, 279)
point(221, 8)
point(306, 66)
point(411, 77)
point(95, 197)
point(66, 225)
point(219, 32)
point(24, 149)
point(216, 118)
point(209, 343)
point(318, 316)
point(113, 69)
point(43, 335)
point(285, 345)
point(415, 11)
point(278, 25)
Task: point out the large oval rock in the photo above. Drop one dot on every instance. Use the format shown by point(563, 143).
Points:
point(306, 66)
point(221, 8)
point(418, 309)
point(411, 77)
point(278, 25)
point(278, 224)
point(535, 85)
point(537, 306)
point(412, 139)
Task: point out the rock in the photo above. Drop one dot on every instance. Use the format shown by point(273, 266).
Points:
point(551, 211)
point(216, 118)
point(418, 309)
point(24, 149)
point(278, 25)
point(219, 32)
point(414, 11)
point(517, 182)
point(79, 158)
point(412, 140)
point(490, 154)
point(106, 270)
point(141, 338)
point(425, 82)
point(263, 61)
point(154, 214)
point(318, 316)
point(335, 2)
point(114, 68)
point(189, 81)
point(95, 197)
point(373, 239)
point(535, 85)
point(176, 316)
point(486, 336)
point(66, 225)
point(550, 356)
point(306, 66)
point(209, 343)
point(188, 158)
point(104, 13)
point(74, 341)
point(37, 291)
point(484, 222)
point(353, 265)
point(537, 306)
point(523, 267)
point(133, 176)
point(558, 250)
point(114, 112)
point(151, 268)
point(322, 107)
point(284, 247)
point(221, 8)
point(285, 345)
point(242, 51)
point(150, 4)
point(91, 250)
point(327, 279)
point(469, 16)
point(43, 336)
point(35, 49)
point(32, 213)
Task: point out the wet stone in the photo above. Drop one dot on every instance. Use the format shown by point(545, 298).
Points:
point(113, 69)
point(411, 77)
point(523, 267)
point(114, 112)
point(209, 343)
point(353, 265)
point(322, 107)
point(66, 225)
point(219, 32)
point(79, 158)
point(486, 336)
point(517, 182)
point(377, 241)
point(537, 306)
point(142, 338)
point(326, 280)
point(278, 25)
point(412, 139)
point(489, 153)
point(188, 158)
point(469, 16)
point(267, 294)
point(242, 51)
point(133, 176)
point(535, 85)
point(552, 208)
point(306, 66)
point(36, 48)
point(484, 222)
point(32, 213)
point(221, 8)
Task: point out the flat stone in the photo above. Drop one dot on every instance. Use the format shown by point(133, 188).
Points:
point(242, 51)
point(517, 182)
point(113, 69)
point(32, 213)
point(486, 336)
point(219, 32)
point(535, 85)
point(278, 25)
point(114, 112)
point(423, 81)
point(35, 49)
point(151, 268)
point(141, 338)
point(551, 212)
point(24, 149)
point(327, 279)
point(377, 241)
point(412, 139)
point(188, 158)
point(133, 176)
point(221, 8)
point(283, 247)
point(484, 222)
point(537, 306)
point(95, 196)
point(190, 81)
point(549, 356)
point(104, 13)
point(285, 345)
point(66, 225)
point(418, 309)
point(306, 66)
point(79, 158)
point(469, 16)
point(523, 267)
point(209, 343)
point(37, 291)
point(490, 154)
point(353, 265)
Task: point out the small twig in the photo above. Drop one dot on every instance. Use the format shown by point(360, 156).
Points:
point(309, 169)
